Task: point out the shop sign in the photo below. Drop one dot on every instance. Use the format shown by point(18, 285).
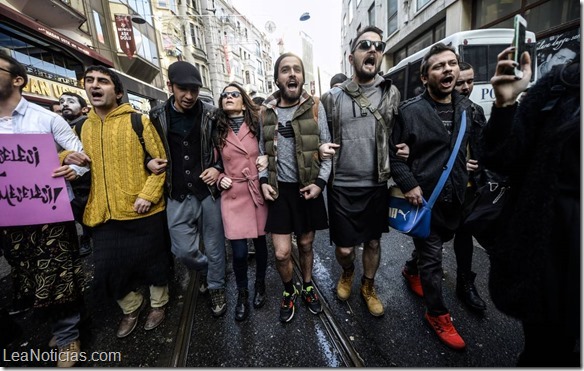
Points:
point(52, 90)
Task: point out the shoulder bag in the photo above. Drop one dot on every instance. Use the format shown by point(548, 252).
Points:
point(415, 220)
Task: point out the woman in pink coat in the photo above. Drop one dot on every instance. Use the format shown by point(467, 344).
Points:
point(243, 208)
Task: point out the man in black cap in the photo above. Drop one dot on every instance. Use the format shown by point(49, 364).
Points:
point(193, 208)
point(338, 79)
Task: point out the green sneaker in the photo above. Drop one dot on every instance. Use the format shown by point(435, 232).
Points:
point(287, 306)
point(311, 300)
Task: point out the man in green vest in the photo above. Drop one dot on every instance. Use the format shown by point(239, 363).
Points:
point(293, 126)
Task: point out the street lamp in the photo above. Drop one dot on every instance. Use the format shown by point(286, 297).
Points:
point(305, 16)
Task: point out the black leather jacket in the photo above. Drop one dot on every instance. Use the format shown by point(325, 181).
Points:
point(160, 117)
point(419, 126)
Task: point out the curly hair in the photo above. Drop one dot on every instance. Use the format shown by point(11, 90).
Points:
point(251, 115)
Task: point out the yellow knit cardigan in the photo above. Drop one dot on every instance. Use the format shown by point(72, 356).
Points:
point(118, 173)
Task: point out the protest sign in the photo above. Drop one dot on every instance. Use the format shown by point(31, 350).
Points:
point(28, 193)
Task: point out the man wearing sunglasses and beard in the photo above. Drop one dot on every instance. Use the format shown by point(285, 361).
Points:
point(360, 114)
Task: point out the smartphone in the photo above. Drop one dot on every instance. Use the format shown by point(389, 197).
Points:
point(520, 26)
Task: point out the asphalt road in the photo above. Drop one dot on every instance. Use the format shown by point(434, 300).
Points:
point(398, 339)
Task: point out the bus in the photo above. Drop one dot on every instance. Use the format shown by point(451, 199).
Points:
point(477, 47)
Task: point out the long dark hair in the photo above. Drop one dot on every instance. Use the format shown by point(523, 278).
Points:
point(251, 115)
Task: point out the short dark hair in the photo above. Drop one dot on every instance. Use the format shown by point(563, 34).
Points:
point(377, 30)
point(118, 86)
point(279, 60)
point(80, 99)
point(464, 66)
point(435, 49)
point(15, 68)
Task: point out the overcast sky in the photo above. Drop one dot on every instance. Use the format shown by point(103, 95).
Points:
point(324, 25)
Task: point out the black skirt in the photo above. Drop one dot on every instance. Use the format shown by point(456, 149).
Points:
point(357, 214)
point(290, 213)
point(128, 254)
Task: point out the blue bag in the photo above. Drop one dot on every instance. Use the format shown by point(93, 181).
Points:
point(407, 218)
point(415, 220)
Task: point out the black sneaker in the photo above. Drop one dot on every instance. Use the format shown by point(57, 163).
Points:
point(311, 299)
point(287, 306)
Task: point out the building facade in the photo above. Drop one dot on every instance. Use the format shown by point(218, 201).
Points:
point(57, 39)
point(412, 25)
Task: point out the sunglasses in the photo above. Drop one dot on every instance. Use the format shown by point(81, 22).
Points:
point(232, 94)
point(366, 45)
point(5, 70)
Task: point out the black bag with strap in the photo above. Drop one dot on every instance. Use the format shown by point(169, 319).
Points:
point(81, 186)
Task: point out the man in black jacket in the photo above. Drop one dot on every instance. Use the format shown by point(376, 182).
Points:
point(74, 109)
point(193, 208)
point(429, 125)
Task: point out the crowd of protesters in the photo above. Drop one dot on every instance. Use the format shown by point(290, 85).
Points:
point(191, 175)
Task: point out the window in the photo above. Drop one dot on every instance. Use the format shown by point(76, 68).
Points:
point(433, 35)
point(371, 14)
point(350, 10)
point(391, 16)
point(421, 3)
point(39, 60)
point(540, 16)
point(99, 21)
point(344, 25)
point(247, 78)
point(483, 58)
point(198, 36)
point(193, 34)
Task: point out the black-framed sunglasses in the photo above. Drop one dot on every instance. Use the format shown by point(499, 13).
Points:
point(366, 45)
point(232, 94)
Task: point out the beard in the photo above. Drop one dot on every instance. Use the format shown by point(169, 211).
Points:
point(70, 116)
point(366, 75)
point(435, 90)
point(289, 96)
point(6, 90)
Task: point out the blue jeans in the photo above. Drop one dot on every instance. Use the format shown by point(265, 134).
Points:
point(66, 329)
point(187, 221)
point(239, 248)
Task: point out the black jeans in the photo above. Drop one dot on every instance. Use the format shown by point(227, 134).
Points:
point(429, 256)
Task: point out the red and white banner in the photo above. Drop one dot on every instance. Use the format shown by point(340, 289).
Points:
point(126, 34)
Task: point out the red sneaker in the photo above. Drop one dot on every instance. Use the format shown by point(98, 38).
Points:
point(414, 282)
point(445, 330)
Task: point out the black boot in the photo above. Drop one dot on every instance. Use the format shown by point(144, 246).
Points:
point(242, 307)
point(259, 297)
point(467, 292)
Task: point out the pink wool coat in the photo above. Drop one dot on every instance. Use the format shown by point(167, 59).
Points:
point(243, 208)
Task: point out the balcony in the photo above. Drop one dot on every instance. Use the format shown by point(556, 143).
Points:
point(53, 13)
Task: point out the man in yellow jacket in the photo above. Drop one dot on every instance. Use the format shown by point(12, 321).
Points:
point(126, 203)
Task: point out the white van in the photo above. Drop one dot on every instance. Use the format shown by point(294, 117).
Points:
point(479, 48)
